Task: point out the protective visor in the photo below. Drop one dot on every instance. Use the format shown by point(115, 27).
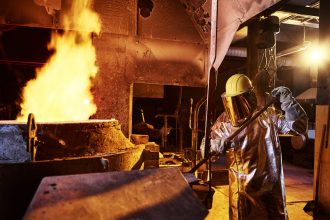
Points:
point(239, 107)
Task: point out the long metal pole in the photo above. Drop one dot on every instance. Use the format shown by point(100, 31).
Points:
point(233, 135)
point(211, 85)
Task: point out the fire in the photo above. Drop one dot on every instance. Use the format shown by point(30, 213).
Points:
point(61, 90)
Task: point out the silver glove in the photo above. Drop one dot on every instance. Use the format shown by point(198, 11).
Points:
point(289, 105)
point(217, 145)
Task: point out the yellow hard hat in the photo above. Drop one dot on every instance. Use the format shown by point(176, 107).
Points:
point(239, 99)
point(238, 84)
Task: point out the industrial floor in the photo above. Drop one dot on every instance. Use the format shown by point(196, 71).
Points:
point(299, 190)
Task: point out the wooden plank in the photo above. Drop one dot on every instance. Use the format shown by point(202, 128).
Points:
point(324, 184)
point(323, 90)
point(148, 194)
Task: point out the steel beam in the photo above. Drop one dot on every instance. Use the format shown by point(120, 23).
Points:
point(277, 6)
point(301, 10)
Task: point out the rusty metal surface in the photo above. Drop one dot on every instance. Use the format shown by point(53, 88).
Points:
point(117, 16)
point(144, 60)
point(200, 13)
point(144, 90)
point(21, 12)
point(168, 20)
point(76, 139)
point(148, 194)
point(83, 138)
point(124, 60)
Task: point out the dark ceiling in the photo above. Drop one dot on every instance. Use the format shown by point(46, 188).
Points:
point(295, 17)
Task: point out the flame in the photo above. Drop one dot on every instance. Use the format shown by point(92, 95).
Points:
point(61, 90)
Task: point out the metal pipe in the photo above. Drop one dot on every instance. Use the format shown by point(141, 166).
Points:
point(237, 52)
point(242, 51)
point(194, 131)
point(294, 49)
point(190, 112)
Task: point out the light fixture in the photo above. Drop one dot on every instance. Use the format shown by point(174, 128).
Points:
point(316, 55)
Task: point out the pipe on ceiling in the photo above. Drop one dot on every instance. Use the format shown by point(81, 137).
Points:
point(282, 59)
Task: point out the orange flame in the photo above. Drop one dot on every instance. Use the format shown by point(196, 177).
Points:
point(61, 91)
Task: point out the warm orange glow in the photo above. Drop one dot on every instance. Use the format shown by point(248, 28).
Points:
point(316, 55)
point(61, 91)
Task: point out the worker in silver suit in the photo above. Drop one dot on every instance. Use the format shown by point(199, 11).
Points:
point(256, 181)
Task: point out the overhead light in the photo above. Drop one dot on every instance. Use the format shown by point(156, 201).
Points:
point(316, 55)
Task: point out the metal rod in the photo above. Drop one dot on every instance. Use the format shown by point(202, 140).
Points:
point(142, 115)
point(19, 62)
point(211, 84)
point(247, 122)
point(201, 162)
point(194, 132)
point(233, 135)
point(190, 111)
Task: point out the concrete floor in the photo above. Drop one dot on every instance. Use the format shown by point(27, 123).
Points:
point(299, 190)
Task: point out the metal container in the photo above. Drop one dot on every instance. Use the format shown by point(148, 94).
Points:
point(63, 149)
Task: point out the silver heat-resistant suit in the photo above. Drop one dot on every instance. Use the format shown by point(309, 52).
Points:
point(254, 161)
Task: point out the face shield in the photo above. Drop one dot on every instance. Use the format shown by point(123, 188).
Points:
point(240, 107)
